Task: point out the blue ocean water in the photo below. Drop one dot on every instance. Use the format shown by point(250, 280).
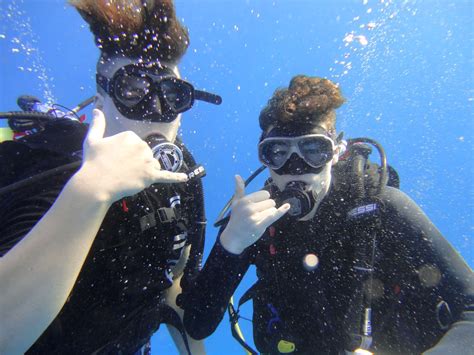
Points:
point(405, 68)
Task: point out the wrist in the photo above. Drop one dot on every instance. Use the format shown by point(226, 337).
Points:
point(230, 243)
point(86, 183)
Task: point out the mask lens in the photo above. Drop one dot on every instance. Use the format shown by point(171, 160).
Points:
point(274, 153)
point(316, 151)
point(131, 89)
point(177, 94)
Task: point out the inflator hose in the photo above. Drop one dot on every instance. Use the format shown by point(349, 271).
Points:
point(38, 177)
point(23, 115)
point(194, 262)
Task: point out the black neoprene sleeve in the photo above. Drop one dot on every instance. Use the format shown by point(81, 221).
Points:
point(206, 301)
point(425, 249)
point(423, 242)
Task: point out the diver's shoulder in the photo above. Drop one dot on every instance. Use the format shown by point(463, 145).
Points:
point(396, 198)
point(391, 192)
point(15, 159)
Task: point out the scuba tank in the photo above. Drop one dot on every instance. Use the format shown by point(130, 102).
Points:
point(35, 115)
point(33, 120)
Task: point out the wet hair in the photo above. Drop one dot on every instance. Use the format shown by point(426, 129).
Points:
point(143, 29)
point(307, 101)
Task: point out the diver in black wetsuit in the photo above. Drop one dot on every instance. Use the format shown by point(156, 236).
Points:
point(353, 264)
point(97, 227)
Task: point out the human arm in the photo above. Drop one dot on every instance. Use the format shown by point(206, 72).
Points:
point(206, 298)
point(251, 215)
point(433, 273)
point(458, 339)
point(38, 273)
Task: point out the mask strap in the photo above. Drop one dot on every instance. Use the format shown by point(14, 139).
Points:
point(341, 144)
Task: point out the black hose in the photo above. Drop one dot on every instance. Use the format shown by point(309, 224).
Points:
point(198, 229)
point(358, 178)
point(367, 227)
point(24, 115)
point(38, 177)
point(234, 318)
point(220, 218)
point(383, 159)
point(83, 104)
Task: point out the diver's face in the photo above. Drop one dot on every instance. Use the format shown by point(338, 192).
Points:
point(318, 184)
point(116, 121)
point(317, 179)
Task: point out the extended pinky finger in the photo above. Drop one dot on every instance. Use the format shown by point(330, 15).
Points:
point(168, 177)
point(272, 215)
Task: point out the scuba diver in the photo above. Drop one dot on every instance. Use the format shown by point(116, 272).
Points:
point(353, 265)
point(102, 226)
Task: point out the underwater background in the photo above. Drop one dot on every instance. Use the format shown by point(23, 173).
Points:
point(405, 68)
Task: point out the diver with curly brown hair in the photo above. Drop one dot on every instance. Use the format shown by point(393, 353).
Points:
point(102, 226)
point(353, 265)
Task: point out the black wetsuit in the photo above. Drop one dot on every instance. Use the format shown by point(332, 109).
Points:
point(116, 303)
point(421, 284)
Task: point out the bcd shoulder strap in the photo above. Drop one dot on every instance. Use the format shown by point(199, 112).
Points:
point(364, 182)
point(195, 209)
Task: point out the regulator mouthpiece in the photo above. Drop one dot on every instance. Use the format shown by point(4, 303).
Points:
point(171, 157)
point(168, 154)
point(300, 200)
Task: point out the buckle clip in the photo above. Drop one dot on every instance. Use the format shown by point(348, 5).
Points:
point(167, 214)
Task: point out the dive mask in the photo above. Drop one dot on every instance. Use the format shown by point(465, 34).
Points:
point(154, 94)
point(315, 149)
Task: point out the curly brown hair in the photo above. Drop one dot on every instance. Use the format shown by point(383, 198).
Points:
point(144, 29)
point(307, 100)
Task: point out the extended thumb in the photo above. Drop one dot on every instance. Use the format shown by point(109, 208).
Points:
point(97, 127)
point(239, 187)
